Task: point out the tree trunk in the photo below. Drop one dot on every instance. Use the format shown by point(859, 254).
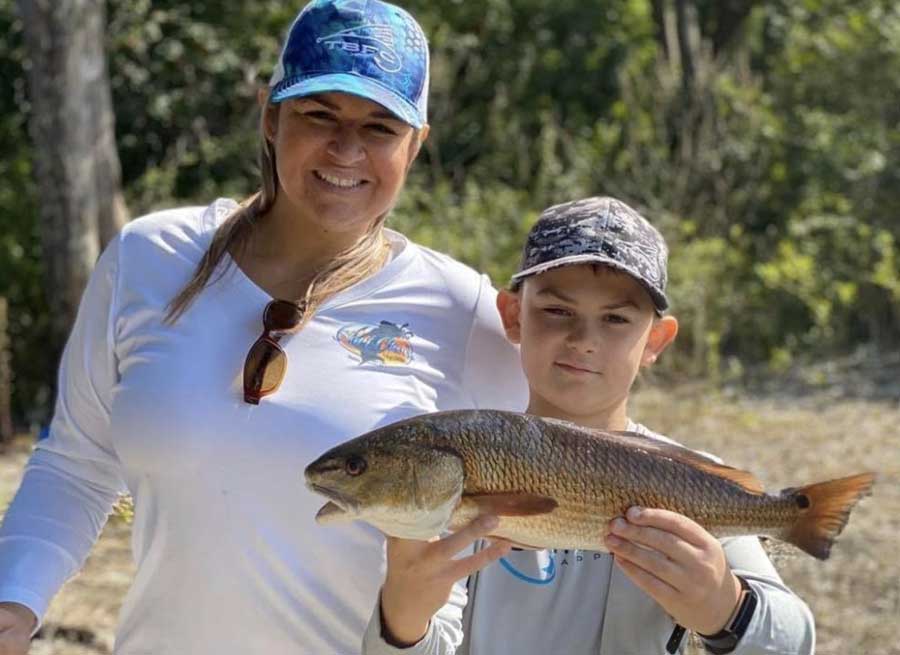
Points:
point(6, 427)
point(731, 20)
point(688, 41)
point(75, 159)
point(660, 27)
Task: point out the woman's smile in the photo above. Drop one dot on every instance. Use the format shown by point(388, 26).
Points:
point(339, 181)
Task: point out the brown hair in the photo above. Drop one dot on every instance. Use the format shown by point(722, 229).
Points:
point(356, 263)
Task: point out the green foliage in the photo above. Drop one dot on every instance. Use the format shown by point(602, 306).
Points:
point(774, 172)
point(184, 78)
point(483, 226)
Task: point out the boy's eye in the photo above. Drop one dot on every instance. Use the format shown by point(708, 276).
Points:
point(557, 311)
point(617, 319)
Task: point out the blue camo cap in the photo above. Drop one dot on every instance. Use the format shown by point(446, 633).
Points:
point(367, 48)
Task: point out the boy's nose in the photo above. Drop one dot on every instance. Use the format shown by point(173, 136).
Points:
point(582, 340)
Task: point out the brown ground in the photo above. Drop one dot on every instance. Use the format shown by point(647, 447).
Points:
point(855, 595)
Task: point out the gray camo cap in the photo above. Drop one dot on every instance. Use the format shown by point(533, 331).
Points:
point(598, 230)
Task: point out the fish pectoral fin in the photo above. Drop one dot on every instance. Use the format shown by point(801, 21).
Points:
point(511, 504)
point(331, 513)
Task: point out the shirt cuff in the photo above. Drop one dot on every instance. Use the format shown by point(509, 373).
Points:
point(375, 644)
point(29, 599)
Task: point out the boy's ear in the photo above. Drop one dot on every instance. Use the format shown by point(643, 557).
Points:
point(509, 305)
point(662, 333)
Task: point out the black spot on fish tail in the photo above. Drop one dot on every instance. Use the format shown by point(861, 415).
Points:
point(826, 508)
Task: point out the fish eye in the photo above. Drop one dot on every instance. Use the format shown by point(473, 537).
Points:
point(355, 465)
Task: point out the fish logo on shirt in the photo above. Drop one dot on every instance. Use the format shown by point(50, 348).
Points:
point(545, 574)
point(543, 569)
point(386, 343)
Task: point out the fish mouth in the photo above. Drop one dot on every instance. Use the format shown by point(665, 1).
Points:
point(342, 501)
point(330, 513)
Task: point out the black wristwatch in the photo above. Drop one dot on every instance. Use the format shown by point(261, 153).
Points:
point(726, 640)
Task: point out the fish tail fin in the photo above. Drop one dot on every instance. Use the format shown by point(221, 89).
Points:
point(824, 511)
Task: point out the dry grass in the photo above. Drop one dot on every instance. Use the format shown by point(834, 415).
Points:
point(855, 595)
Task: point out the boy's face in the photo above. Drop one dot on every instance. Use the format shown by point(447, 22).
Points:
point(584, 333)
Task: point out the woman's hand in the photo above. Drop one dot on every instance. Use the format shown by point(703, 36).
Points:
point(420, 576)
point(16, 624)
point(679, 564)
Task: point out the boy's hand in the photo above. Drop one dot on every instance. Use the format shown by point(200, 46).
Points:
point(420, 577)
point(677, 563)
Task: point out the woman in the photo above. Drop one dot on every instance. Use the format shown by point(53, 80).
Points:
point(217, 351)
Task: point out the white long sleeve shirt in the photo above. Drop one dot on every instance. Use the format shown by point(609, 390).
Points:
point(580, 603)
point(229, 557)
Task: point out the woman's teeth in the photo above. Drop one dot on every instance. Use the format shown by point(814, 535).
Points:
point(342, 182)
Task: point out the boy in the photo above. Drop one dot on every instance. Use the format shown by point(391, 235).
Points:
point(587, 309)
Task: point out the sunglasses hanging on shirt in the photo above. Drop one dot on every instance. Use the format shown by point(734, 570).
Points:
point(266, 362)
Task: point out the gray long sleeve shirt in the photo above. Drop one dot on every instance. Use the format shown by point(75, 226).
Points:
point(581, 603)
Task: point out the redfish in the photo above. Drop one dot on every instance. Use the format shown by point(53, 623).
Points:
point(557, 485)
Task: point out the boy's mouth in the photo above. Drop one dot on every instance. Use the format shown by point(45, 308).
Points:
point(578, 369)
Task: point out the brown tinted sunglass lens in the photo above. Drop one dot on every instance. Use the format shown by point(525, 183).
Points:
point(282, 315)
point(264, 369)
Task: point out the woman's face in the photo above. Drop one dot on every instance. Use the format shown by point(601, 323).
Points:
point(341, 160)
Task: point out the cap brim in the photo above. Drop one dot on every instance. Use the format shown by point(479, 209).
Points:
point(357, 85)
point(659, 300)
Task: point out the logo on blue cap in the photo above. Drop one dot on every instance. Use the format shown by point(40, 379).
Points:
point(375, 40)
point(365, 47)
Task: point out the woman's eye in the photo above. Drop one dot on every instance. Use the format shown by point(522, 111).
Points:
point(381, 129)
point(319, 115)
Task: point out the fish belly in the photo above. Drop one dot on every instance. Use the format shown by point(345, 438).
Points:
point(554, 530)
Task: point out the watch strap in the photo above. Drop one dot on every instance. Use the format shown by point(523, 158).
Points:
point(726, 640)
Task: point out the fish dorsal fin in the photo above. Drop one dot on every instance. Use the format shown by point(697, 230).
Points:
point(511, 504)
point(744, 479)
